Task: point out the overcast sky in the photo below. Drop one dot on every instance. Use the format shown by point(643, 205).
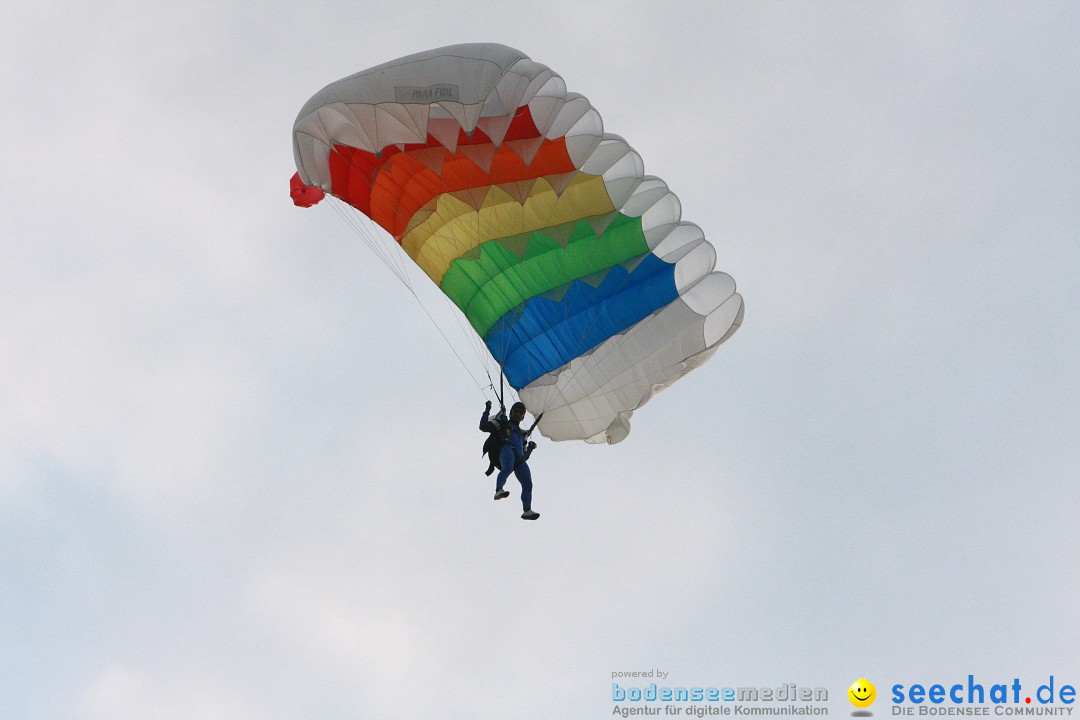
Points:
point(240, 475)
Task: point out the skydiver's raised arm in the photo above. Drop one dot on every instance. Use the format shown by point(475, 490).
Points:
point(487, 425)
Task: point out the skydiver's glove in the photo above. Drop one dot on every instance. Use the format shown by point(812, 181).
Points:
point(487, 406)
point(531, 446)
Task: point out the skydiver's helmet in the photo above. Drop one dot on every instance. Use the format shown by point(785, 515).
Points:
point(517, 412)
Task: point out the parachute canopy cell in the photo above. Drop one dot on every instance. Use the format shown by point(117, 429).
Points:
point(574, 267)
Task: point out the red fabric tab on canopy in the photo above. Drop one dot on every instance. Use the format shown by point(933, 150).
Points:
point(304, 195)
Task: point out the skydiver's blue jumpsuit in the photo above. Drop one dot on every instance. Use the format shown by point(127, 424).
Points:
point(513, 457)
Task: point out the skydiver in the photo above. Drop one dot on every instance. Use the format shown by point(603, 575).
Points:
point(513, 454)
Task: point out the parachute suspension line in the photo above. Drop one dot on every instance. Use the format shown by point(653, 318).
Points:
point(380, 242)
point(472, 338)
point(532, 427)
point(401, 271)
point(480, 350)
point(467, 331)
point(449, 343)
point(369, 239)
point(483, 356)
point(491, 384)
point(502, 377)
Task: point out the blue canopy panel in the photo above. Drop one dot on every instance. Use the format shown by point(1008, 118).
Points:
point(547, 331)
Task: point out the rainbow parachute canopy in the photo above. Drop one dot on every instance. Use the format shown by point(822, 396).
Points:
point(572, 265)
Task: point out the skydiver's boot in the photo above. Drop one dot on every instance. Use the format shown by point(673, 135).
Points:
point(500, 494)
point(529, 515)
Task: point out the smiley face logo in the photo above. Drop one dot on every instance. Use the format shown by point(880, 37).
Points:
point(862, 693)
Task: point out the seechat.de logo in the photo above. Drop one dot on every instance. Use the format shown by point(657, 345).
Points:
point(862, 693)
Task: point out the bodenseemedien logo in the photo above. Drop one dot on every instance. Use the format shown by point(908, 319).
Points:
point(788, 700)
point(862, 693)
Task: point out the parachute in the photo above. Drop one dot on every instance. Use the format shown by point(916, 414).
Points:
point(573, 266)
